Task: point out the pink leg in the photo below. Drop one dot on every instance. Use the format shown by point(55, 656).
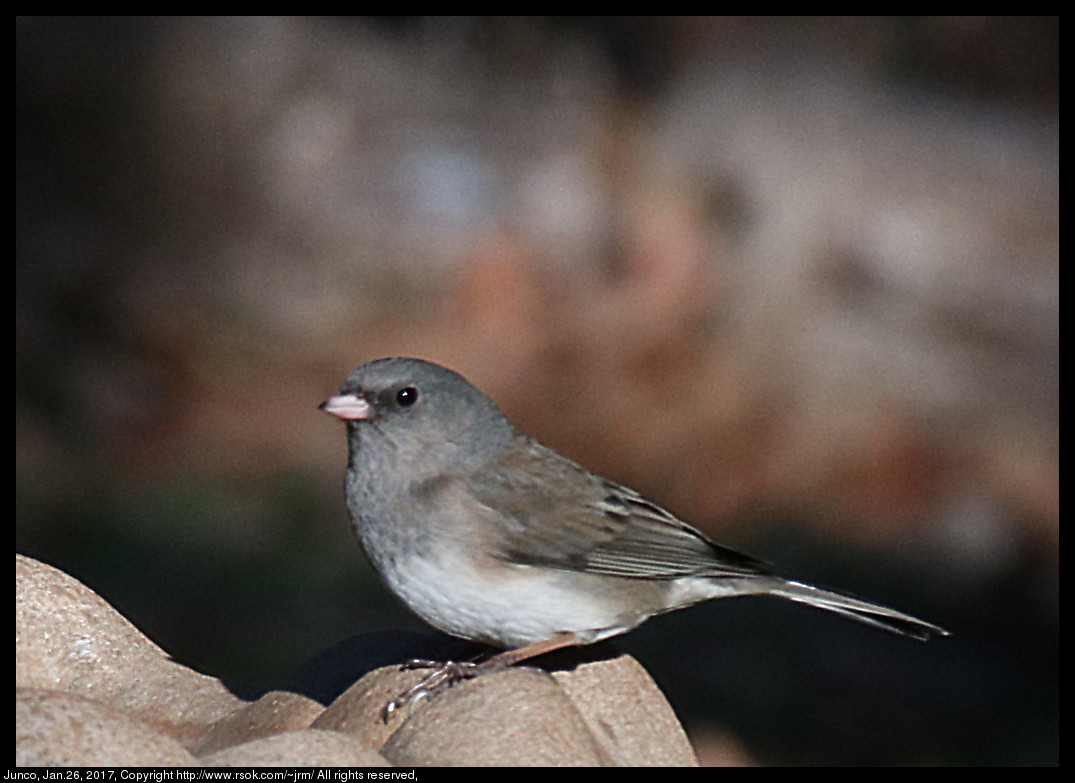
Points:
point(447, 674)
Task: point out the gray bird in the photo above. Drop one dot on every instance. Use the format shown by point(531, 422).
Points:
point(489, 536)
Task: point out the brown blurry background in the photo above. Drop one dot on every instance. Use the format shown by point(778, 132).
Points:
point(795, 279)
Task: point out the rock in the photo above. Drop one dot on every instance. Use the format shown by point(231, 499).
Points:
point(627, 713)
point(306, 748)
point(359, 710)
point(93, 690)
point(67, 638)
point(274, 713)
point(518, 717)
point(54, 729)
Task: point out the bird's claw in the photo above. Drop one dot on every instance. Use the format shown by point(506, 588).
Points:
point(444, 675)
point(420, 663)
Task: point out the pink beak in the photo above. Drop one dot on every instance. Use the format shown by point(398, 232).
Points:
point(348, 407)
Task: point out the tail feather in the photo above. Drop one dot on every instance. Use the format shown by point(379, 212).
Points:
point(857, 609)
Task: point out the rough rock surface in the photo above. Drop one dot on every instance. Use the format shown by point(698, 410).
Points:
point(91, 689)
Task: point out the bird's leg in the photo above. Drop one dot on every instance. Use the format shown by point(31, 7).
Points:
point(511, 657)
point(445, 675)
point(427, 663)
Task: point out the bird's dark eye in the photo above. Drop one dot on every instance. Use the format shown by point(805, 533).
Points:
point(407, 396)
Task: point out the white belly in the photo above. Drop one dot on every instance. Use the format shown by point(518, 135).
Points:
point(511, 605)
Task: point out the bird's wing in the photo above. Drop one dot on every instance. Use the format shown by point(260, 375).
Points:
point(552, 512)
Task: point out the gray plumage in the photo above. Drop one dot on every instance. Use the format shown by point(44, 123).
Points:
point(490, 536)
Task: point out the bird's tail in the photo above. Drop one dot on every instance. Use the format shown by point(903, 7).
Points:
point(855, 608)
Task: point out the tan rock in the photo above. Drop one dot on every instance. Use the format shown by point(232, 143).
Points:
point(359, 710)
point(306, 748)
point(67, 638)
point(627, 713)
point(54, 729)
point(274, 713)
point(100, 692)
point(518, 717)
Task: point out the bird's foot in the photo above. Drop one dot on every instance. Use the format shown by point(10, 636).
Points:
point(443, 676)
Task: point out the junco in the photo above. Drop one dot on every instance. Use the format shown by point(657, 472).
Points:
point(492, 537)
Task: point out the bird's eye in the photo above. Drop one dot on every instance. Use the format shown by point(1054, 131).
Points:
point(407, 396)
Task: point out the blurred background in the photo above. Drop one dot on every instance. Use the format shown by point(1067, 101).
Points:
point(795, 279)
